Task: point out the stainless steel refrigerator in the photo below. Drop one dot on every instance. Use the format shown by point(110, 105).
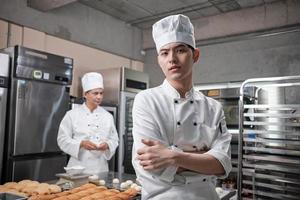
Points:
point(121, 85)
point(4, 67)
point(38, 98)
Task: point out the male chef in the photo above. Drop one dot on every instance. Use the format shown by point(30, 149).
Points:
point(181, 143)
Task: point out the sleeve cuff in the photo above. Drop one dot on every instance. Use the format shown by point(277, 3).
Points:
point(76, 146)
point(224, 159)
point(169, 173)
point(108, 152)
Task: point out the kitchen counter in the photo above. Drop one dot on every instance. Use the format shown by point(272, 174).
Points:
point(109, 176)
point(123, 177)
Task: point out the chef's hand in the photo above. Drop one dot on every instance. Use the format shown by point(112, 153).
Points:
point(88, 145)
point(155, 155)
point(103, 146)
point(181, 169)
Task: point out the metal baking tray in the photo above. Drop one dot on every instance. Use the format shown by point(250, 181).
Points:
point(8, 196)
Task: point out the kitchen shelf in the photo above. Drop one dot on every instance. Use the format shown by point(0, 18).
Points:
point(269, 140)
point(272, 194)
point(273, 107)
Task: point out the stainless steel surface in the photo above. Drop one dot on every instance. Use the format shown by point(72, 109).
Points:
point(112, 80)
point(125, 133)
point(121, 85)
point(274, 158)
point(270, 195)
point(122, 79)
point(112, 110)
point(269, 142)
point(228, 97)
point(39, 108)
point(272, 166)
point(277, 107)
point(40, 66)
point(9, 196)
point(272, 123)
point(279, 115)
point(277, 177)
point(134, 81)
point(38, 100)
point(4, 70)
point(282, 134)
point(41, 169)
point(112, 163)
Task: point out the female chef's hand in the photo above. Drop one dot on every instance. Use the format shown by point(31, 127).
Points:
point(155, 155)
point(88, 145)
point(103, 146)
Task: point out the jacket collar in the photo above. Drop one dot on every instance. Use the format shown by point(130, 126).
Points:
point(87, 110)
point(171, 91)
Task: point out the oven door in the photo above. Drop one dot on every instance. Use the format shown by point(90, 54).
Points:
point(231, 111)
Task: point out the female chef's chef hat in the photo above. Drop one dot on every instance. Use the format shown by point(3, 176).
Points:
point(92, 80)
point(174, 28)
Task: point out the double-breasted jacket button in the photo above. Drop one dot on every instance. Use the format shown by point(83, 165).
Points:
point(178, 123)
point(191, 101)
point(175, 101)
point(195, 123)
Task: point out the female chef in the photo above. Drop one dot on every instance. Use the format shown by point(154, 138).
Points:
point(181, 143)
point(87, 133)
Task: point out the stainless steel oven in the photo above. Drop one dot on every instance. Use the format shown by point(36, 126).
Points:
point(228, 97)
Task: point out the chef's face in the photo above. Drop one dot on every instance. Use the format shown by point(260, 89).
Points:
point(176, 61)
point(94, 97)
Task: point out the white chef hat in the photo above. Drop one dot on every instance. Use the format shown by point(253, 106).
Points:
point(174, 28)
point(92, 80)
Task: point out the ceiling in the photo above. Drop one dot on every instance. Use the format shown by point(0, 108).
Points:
point(142, 13)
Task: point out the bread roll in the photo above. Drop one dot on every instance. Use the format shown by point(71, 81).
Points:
point(28, 189)
point(113, 198)
point(60, 198)
point(41, 189)
point(42, 197)
point(73, 197)
point(24, 182)
point(114, 191)
point(124, 196)
point(54, 188)
point(131, 191)
point(10, 185)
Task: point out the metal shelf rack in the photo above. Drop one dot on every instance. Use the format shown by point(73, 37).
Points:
point(269, 139)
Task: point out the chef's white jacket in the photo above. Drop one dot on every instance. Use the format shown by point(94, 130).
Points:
point(81, 124)
point(193, 123)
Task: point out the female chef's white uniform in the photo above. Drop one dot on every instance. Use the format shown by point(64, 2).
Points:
point(82, 124)
point(194, 123)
